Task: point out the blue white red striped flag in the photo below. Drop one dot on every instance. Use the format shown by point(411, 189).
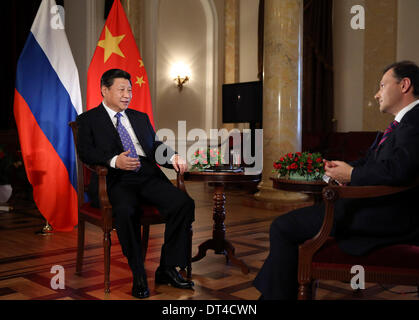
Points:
point(47, 97)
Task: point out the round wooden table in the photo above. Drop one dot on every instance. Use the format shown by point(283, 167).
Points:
point(314, 188)
point(219, 243)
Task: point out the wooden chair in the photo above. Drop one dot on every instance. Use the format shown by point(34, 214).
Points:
point(321, 259)
point(102, 216)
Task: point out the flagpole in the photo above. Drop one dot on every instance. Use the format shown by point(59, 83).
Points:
point(46, 229)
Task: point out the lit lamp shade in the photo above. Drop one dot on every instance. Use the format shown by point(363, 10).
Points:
point(181, 74)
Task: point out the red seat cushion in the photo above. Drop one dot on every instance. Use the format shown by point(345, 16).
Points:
point(400, 256)
point(149, 211)
point(86, 208)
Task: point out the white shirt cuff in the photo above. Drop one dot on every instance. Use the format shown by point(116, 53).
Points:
point(112, 163)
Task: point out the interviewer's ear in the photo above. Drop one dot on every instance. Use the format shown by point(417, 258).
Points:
point(406, 84)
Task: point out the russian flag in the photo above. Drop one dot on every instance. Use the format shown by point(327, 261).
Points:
point(47, 98)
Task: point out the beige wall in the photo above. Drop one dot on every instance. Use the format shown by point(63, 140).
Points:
point(84, 22)
point(380, 50)
point(191, 31)
point(76, 34)
point(181, 37)
point(408, 28)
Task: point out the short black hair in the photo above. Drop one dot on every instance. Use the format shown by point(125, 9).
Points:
point(406, 69)
point(109, 77)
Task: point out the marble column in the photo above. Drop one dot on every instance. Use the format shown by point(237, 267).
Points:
point(231, 46)
point(231, 41)
point(281, 90)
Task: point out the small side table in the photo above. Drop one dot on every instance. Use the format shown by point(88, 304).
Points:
point(308, 187)
point(218, 242)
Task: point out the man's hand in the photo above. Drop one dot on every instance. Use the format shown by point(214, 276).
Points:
point(126, 163)
point(179, 164)
point(338, 170)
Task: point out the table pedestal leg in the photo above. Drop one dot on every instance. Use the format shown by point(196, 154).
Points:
point(202, 249)
point(218, 243)
point(229, 252)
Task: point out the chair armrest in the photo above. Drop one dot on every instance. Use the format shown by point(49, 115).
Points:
point(104, 203)
point(98, 169)
point(101, 172)
point(363, 191)
point(180, 182)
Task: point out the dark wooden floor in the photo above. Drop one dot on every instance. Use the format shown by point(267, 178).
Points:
point(26, 259)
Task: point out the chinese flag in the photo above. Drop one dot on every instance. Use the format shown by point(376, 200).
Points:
point(116, 49)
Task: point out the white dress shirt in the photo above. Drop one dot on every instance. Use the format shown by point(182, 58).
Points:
point(406, 109)
point(125, 122)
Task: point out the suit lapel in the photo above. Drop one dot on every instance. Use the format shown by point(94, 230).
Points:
point(108, 125)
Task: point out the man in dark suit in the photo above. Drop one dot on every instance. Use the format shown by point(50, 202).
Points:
point(124, 140)
point(360, 225)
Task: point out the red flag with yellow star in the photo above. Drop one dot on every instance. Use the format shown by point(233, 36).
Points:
point(117, 49)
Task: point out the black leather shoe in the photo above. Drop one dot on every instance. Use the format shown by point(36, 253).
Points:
point(171, 276)
point(140, 288)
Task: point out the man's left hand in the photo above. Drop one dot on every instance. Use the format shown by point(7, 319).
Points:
point(179, 164)
point(339, 171)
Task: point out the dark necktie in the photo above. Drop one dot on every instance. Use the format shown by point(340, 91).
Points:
point(389, 130)
point(125, 138)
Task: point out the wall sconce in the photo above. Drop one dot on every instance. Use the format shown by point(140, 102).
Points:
point(181, 74)
point(180, 81)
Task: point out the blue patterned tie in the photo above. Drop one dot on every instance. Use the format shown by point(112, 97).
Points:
point(389, 130)
point(126, 139)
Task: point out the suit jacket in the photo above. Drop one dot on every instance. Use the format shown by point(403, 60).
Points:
point(99, 142)
point(363, 224)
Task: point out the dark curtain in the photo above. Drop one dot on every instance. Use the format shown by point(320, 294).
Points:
point(16, 19)
point(317, 70)
point(108, 6)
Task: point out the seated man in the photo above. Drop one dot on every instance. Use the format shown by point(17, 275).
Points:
point(124, 140)
point(360, 225)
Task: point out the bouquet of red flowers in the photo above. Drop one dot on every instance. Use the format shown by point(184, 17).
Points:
point(305, 164)
point(206, 158)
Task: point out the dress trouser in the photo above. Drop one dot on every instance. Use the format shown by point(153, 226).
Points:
point(176, 207)
point(277, 280)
